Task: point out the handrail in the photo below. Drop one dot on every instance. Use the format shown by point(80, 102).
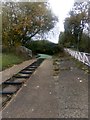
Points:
point(81, 56)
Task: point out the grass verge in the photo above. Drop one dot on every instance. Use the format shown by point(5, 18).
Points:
point(9, 59)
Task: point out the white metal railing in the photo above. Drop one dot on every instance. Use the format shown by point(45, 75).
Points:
point(81, 56)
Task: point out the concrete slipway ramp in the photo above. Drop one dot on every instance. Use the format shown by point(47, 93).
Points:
point(46, 95)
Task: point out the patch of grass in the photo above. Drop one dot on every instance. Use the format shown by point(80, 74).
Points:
point(10, 59)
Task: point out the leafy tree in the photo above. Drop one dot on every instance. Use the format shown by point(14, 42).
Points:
point(62, 38)
point(85, 43)
point(23, 20)
point(76, 23)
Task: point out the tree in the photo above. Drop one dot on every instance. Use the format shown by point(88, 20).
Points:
point(76, 22)
point(85, 43)
point(62, 38)
point(22, 21)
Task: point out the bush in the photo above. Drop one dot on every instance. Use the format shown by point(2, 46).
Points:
point(44, 47)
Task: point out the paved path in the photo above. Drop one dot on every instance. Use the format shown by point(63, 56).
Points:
point(49, 96)
point(8, 73)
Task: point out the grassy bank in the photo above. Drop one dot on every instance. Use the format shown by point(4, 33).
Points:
point(9, 59)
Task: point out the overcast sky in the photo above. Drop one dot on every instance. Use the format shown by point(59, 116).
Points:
point(61, 8)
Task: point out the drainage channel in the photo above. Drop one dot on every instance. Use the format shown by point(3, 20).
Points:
point(12, 85)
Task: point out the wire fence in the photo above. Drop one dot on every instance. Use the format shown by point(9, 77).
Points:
point(81, 56)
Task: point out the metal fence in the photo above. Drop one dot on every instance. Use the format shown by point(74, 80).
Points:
point(81, 56)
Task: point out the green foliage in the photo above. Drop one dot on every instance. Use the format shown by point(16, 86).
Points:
point(75, 25)
point(44, 47)
point(66, 40)
point(69, 42)
point(85, 43)
point(23, 20)
point(61, 38)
